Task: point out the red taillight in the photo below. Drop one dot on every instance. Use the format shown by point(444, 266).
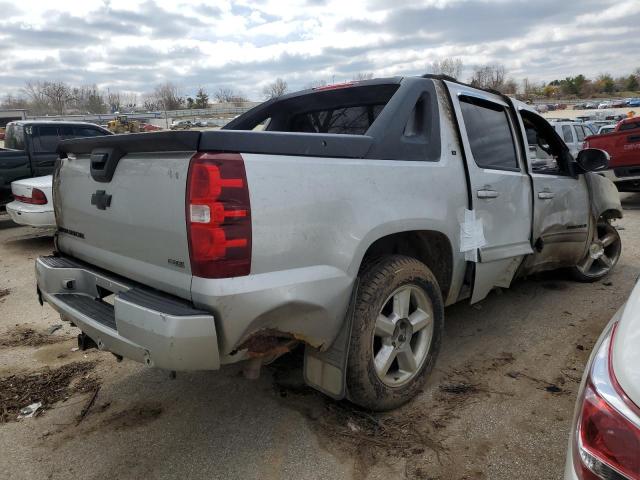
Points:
point(37, 197)
point(607, 442)
point(608, 436)
point(218, 216)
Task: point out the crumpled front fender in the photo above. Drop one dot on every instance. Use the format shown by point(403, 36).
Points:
point(604, 196)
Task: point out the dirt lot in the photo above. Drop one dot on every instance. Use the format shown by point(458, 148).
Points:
point(498, 406)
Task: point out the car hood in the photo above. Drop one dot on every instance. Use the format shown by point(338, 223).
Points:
point(626, 347)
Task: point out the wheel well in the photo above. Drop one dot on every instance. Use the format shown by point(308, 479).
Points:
point(430, 247)
point(611, 214)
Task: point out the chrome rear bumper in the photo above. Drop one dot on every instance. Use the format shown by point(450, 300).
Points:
point(141, 324)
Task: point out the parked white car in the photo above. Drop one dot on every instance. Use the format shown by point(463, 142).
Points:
point(605, 438)
point(32, 204)
point(606, 129)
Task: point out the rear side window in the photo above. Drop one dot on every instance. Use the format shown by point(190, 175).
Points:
point(579, 132)
point(567, 135)
point(349, 109)
point(489, 134)
point(48, 138)
point(14, 137)
point(87, 132)
point(354, 120)
point(629, 126)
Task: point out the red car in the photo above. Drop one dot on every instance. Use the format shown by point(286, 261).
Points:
point(147, 127)
point(623, 146)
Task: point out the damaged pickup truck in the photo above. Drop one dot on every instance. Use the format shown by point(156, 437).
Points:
point(344, 217)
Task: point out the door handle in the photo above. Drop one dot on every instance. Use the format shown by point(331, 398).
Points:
point(488, 194)
point(546, 195)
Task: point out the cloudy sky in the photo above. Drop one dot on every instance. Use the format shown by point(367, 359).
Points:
point(133, 45)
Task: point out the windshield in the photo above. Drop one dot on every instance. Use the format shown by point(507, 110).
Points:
point(14, 137)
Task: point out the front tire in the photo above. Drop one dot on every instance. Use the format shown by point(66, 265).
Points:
point(397, 331)
point(602, 255)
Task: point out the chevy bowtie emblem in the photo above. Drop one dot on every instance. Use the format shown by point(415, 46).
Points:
point(101, 200)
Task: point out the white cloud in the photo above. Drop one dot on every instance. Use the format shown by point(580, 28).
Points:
point(246, 43)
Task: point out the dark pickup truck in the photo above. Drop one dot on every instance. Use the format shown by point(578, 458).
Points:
point(30, 149)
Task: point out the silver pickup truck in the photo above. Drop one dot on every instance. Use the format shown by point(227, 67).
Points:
point(344, 217)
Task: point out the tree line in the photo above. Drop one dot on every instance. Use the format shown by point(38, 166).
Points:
point(59, 98)
point(494, 76)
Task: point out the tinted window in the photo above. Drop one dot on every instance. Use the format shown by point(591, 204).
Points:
point(48, 138)
point(566, 133)
point(629, 126)
point(579, 132)
point(354, 120)
point(14, 137)
point(65, 132)
point(87, 132)
point(489, 134)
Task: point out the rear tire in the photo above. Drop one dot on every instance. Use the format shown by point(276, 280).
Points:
point(397, 331)
point(602, 256)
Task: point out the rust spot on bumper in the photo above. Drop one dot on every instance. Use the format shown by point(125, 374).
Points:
point(268, 342)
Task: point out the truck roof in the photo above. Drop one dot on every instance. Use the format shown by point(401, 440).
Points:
point(25, 123)
point(629, 120)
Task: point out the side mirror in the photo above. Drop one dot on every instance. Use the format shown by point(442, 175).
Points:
point(593, 160)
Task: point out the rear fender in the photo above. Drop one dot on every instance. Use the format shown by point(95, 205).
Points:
point(603, 196)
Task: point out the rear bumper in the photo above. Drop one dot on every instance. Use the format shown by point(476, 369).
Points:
point(147, 327)
point(31, 215)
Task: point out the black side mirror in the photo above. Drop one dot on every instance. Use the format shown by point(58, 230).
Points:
point(593, 160)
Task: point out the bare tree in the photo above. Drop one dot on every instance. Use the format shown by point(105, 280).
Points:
point(491, 76)
point(509, 87)
point(114, 100)
point(224, 94)
point(130, 100)
point(360, 76)
point(150, 103)
point(87, 99)
point(37, 99)
point(275, 89)
point(58, 94)
point(167, 96)
point(14, 102)
point(450, 66)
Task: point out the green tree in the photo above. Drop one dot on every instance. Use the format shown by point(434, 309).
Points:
point(202, 98)
point(632, 84)
point(605, 83)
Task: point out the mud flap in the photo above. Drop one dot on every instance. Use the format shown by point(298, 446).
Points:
point(326, 371)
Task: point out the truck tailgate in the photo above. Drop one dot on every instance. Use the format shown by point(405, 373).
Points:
point(134, 223)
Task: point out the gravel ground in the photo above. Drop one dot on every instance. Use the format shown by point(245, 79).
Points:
point(498, 406)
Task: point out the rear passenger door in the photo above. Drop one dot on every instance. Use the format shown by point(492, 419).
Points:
point(45, 140)
point(500, 188)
